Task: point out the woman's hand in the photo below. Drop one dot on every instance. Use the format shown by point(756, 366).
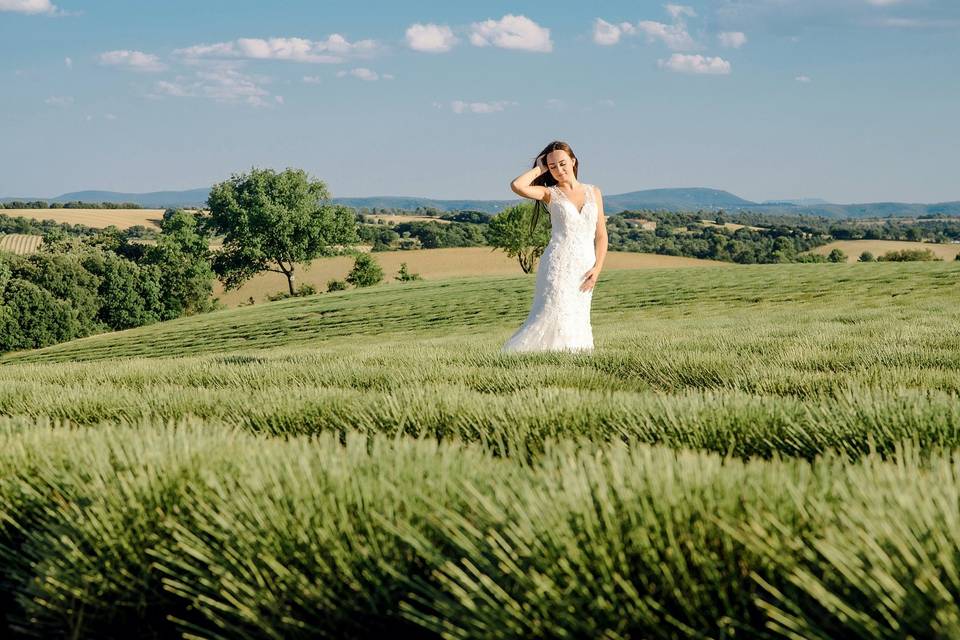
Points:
point(542, 163)
point(590, 279)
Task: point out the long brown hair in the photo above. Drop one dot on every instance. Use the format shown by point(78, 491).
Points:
point(546, 179)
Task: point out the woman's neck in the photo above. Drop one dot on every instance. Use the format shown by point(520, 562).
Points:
point(569, 184)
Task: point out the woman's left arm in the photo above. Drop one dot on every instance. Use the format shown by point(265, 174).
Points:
point(599, 244)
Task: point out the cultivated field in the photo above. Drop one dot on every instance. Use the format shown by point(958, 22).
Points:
point(853, 248)
point(20, 243)
point(432, 264)
point(96, 218)
point(761, 451)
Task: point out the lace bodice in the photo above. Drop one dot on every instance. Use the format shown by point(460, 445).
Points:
point(567, 222)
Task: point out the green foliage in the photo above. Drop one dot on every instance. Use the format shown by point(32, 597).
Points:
point(867, 256)
point(130, 295)
point(182, 259)
point(366, 271)
point(510, 230)
point(270, 221)
point(336, 285)
point(31, 317)
point(404, 275)
point(836, 255)
point(909, 255)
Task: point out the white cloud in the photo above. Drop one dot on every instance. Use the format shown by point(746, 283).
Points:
point(430, 38)
point(605, 33)
point(459, 106)
point(59, 101)
point(511, 32)
point(802, 78)
point(311, 80)
point(29, 6)
point(683, 63)
point(278, 99)
point(135, 60)
point(360, 72)
point(109, 116)
point(732, 39)
point(69, 62)
point(332, 50)
point(223, 84)
point(674, 36)
point(677, 11)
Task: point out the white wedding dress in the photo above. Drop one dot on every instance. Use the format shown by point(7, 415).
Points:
point(560, 317)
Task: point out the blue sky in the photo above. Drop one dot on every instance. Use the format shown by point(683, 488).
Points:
point(847, 100)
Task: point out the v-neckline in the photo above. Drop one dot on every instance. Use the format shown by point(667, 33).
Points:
point(580, 210)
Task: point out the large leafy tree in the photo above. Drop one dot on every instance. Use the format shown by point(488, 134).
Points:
point(515, 231)
point(271, 221)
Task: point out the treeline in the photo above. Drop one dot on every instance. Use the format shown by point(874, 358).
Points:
point(52, 230)
point(744, 246)
point(425, 234)
point(75, 204)
point(79, 286)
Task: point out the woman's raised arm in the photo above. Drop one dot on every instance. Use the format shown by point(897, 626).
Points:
point(522, 184)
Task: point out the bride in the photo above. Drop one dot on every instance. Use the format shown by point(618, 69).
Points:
point(559, 319)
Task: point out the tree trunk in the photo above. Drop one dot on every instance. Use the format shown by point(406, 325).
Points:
point(290, 282)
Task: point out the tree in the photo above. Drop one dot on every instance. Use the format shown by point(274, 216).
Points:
point(183, 257)
point(510, 231)
point(366, 272)
point(404, 275)
point(271, 221)
point(837, 255)
point(866, 256)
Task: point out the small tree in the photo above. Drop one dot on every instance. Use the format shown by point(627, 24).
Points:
point(866, 256)
point(271, 221)
point(837, 255)
point(336, 285)
point(404, 275)
point(366, 272)
point(510, 230)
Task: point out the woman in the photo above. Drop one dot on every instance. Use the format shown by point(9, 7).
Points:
point(560, 317)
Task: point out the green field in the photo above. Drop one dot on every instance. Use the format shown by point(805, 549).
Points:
point(755, 451)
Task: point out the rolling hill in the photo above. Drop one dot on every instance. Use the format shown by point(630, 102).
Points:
point(674, 199)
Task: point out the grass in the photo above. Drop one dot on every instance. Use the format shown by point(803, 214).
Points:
point(755, 451)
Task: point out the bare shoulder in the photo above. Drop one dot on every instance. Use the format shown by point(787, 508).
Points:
point(596, 190)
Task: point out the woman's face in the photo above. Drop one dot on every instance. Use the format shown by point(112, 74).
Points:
point(560, 164)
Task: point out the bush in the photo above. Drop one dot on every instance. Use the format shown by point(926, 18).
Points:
point(837, 255)
point(866, 256)
point(366, 272)
point(306, 289)
point(404, 275)
point(336, 285)
point(31, 317)
point(909, 255)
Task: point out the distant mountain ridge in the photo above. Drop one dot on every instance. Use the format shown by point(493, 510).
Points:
point(674, 199)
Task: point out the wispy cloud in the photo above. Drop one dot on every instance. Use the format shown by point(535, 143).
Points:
point(221, 83)
point(59, 101)
point(30, 7)
point(68, 62)
point(682, 63)
point(803, 78)
point(312, 80)
point(677, 11)
point(133, 60)
point(732, 39)
point(511, 32)
point(364, 74)
point(460, 106)
point(430, 38)
point(334, 49)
